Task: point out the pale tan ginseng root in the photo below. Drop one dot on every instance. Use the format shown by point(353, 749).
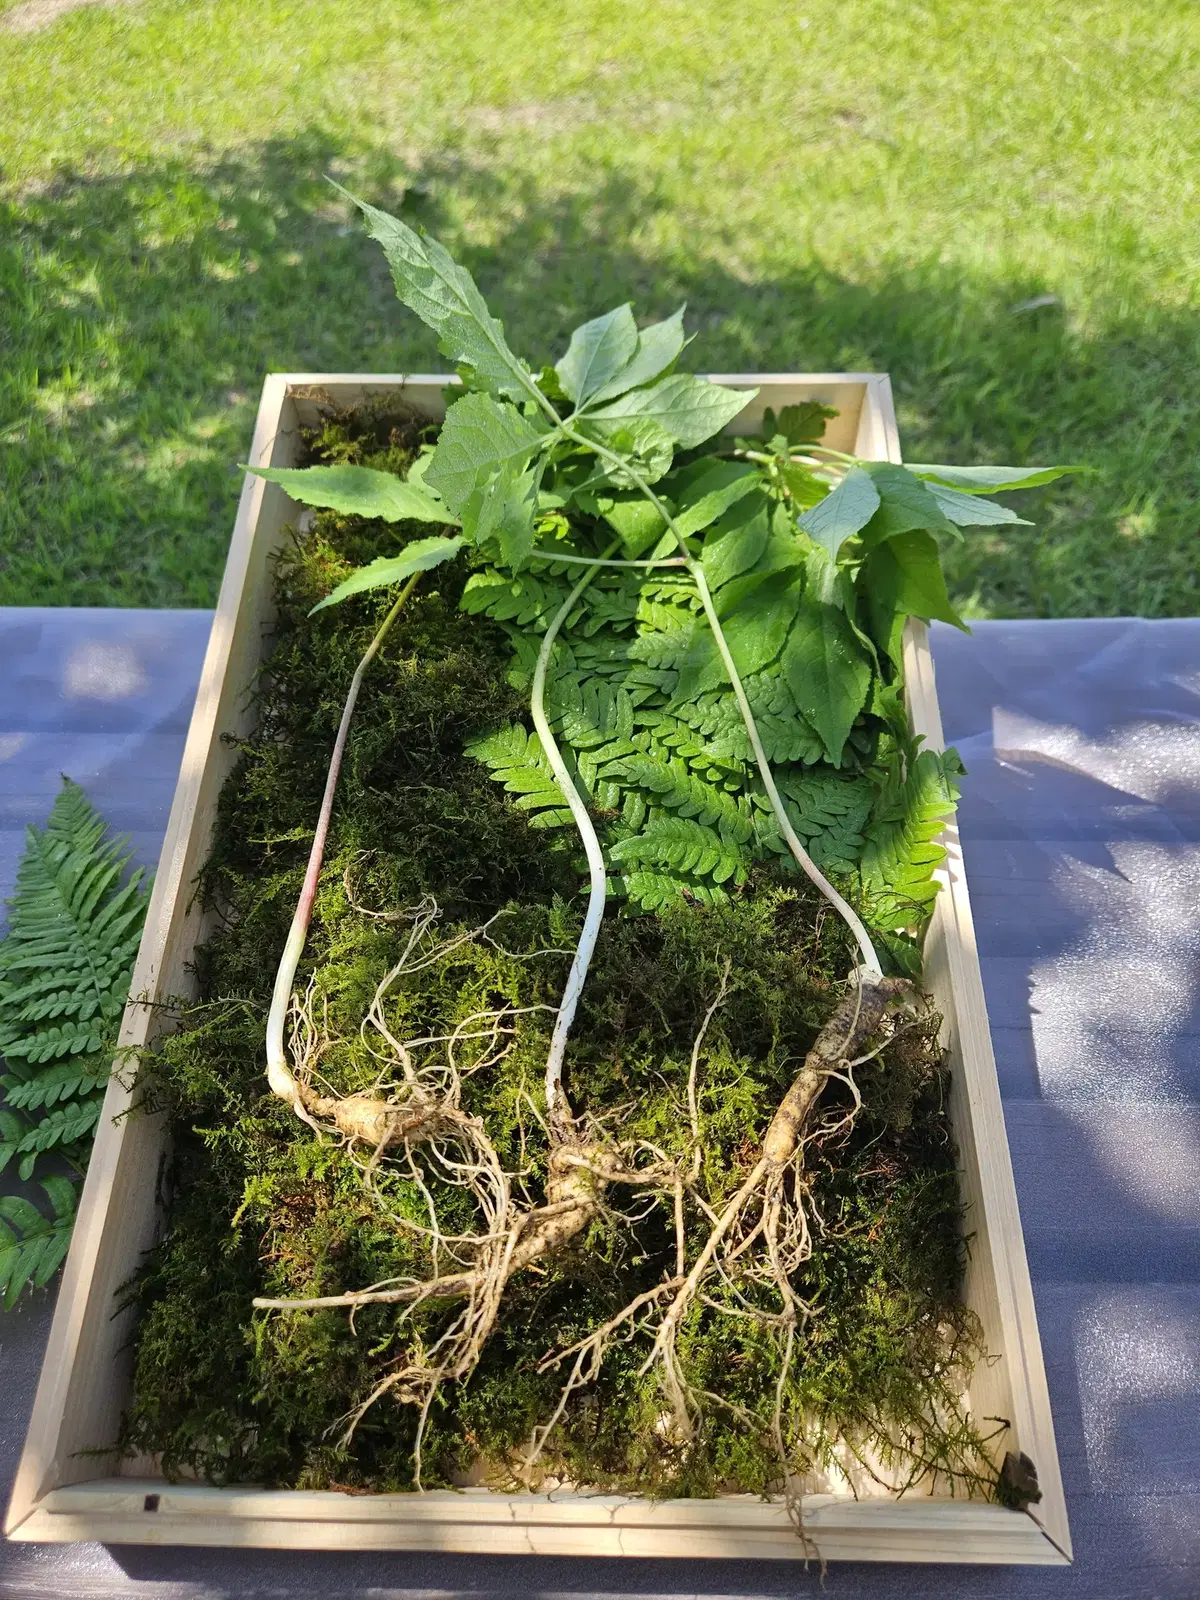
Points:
point(760, 1236)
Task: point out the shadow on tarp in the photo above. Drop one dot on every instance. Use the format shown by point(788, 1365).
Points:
point(147, 306)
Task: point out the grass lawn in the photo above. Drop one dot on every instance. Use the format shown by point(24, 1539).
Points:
point(994, 201)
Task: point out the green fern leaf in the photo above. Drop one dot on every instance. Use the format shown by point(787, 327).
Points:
point(50, 1043)
point(517, 760)
point(902, 851)
point(685, 846)
point(65, 966)
point(654, 891)
point(62, 1125)
point(32, 1246)
point(12, 1131)
point(527, 599)
point(829, 811)
point(671, 783)
point(65, 1081)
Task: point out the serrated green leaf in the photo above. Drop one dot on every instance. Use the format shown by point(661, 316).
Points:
point(638, 522)
point(903, 577)
point(711, 495)
point(804, 488)
point(479, 436)
point(359, 492)
point(444, 295)
point(420, 556)
point(828, 672)
point(972, 510)
point(689, 409)
point(649, 447)
point(905, 506)
point(506, 510)
point(734, 544)
point(843, 513)
point(598, 351)
point(657, 347)
point(990, 480)
point(799, 424)
point(755, 626)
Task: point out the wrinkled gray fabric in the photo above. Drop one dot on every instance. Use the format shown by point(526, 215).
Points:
point(1081, 823)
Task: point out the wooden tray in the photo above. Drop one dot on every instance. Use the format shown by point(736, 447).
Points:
point(61, 1494)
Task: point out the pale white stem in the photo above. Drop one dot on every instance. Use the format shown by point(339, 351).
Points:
point(279, 1073)
point(559, 1114)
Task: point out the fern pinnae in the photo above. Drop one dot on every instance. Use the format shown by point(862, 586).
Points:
point(65, 965)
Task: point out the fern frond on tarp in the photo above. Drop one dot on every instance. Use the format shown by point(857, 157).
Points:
point(75, 922)
point(902, 851)
point(32, 1246)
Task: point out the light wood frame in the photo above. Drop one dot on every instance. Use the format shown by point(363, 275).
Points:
point(61, 1494)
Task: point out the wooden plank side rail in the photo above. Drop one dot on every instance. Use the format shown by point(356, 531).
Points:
point(61, 1494)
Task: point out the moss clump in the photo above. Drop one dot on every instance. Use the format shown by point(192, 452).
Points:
point(261, 1207)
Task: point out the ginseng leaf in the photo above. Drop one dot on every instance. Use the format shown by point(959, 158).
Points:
point(904, 576)
point(843, 513)
point(444, 295)
point(359, 492)
point(648, 448)
point(733, 545)
point(710, 496)
point(972, 510)
point(688, 408)
point(420, 556)
point(639, 523)
point(827, 671)
point(799, 424)
point(990, 480)
point(755, 625)
point(505, 510)
point(597, 352)
point(657, 347)
point(478, 436)
point(905, 504)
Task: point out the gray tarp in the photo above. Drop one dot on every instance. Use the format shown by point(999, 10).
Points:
point(1081, 821)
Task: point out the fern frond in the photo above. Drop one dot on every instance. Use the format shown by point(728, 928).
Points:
point(65, 1081)
point(785, 734)
point(901, 849)
point(32, 1246)
point(65, 965)
point(686, 847)
point(526, 599)
point(517, 760)
point(829, 811)
point(12, 1131)
point(653, 891)
point(67, 1124)
point(671, 783)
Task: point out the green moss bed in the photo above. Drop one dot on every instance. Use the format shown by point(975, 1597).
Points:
point(259, 1205)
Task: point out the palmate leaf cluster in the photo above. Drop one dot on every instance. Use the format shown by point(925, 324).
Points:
point(65, 961)
point(606, 463)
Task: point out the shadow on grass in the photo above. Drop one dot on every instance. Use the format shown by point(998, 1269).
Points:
point(144, 310)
